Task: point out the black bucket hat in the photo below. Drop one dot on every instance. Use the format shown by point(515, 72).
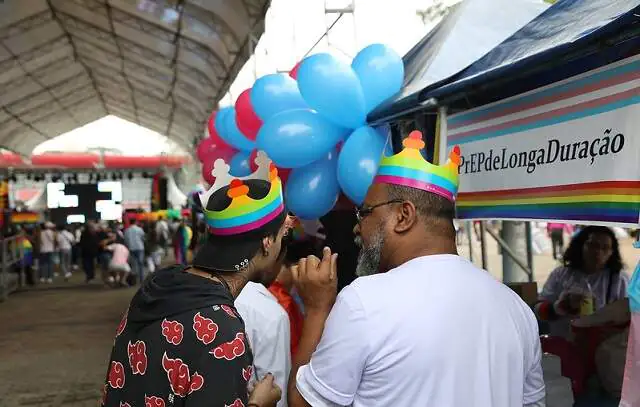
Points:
point(233, 252)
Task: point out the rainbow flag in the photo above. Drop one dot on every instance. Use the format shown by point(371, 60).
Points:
point(187, 234)
point(25, 248)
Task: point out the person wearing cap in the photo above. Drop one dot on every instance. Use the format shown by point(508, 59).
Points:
point(182, 341)
point(421, 326)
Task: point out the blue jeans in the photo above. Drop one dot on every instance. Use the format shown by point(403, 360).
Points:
point(136, 258)
point(46, 265)
point(89, 265)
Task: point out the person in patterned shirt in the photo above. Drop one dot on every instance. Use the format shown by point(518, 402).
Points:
point(182, 342)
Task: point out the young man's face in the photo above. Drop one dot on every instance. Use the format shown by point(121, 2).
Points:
point(275, 257)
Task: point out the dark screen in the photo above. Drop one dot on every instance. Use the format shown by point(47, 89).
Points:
point(87, 196)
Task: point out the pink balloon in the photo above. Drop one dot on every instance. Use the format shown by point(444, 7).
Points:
point(203, 148)
point(294, 72)
point(210, 158)
point(224, 152)
point(213, 133)
point(207, 167)
point(246, 118)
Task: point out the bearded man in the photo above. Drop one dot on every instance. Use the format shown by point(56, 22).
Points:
point(422, 326)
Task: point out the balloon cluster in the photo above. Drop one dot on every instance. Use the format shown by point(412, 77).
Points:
point(312, 124)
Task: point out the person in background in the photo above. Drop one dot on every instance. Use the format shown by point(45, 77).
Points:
point(134, 239)
point(65, 241)
point(105, 238)
point(283, 286)
point(162, 230)
point(119, 265)
point(152, 249)
point(89, 249)
point(75, 250)
point(35, 241)
point(25, 252)
point(181, 241)
point(556, 232)
point(590, 277)
point(47, 249)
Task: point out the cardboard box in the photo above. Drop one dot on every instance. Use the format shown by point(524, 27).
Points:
point(527, 291)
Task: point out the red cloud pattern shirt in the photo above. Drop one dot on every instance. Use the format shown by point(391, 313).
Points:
point(195, 358)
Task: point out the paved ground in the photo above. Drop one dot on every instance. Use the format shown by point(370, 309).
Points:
point(55, 343)
point(55, 340)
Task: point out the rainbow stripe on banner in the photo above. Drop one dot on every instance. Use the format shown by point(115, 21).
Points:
point(625, 72)
point(612, 201)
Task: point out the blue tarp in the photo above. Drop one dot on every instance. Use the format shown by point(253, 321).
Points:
point(562, 29)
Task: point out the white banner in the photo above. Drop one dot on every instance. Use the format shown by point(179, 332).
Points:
point(569, 151)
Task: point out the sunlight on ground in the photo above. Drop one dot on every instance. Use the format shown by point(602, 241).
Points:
point(113, 134)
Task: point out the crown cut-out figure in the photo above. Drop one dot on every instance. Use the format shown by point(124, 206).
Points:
point(244, 213)
point(409, 168)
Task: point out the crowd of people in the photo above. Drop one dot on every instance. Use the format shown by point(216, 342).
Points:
point(118, 255)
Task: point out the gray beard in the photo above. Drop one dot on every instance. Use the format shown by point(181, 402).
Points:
point(369, 257)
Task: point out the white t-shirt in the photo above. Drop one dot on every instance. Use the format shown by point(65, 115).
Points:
point(436, 331)
point(47, 241)
point(65, 240)
point(267, 327)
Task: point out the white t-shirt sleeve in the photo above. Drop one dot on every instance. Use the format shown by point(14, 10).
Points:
point(534, 388)
point(333, 375)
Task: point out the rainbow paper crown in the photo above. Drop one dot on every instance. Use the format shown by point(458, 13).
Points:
point(243, 214)
point(409, 168)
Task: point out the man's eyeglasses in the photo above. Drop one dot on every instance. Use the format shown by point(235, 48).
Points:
point(364, 211)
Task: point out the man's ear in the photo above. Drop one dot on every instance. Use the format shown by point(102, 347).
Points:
point(406, 217)
point(267, 241)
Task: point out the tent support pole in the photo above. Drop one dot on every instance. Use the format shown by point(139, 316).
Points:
point(483, 246)
point(469, 225)
point(529, 241)
point(442, 135)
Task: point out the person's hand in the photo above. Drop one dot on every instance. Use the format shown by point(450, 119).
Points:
point(316, 281)
point(568, 304)
point(265, 393)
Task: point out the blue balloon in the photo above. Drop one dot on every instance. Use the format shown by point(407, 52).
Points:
point(299, 137)
point(275, 93)
point(331, 87)
point(313, 190)
point(230, 133)
point(381, 73)
point(240, 164)
point(358, 162)
point(220, 121)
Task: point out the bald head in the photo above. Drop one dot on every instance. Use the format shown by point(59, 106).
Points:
point(434, 211)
